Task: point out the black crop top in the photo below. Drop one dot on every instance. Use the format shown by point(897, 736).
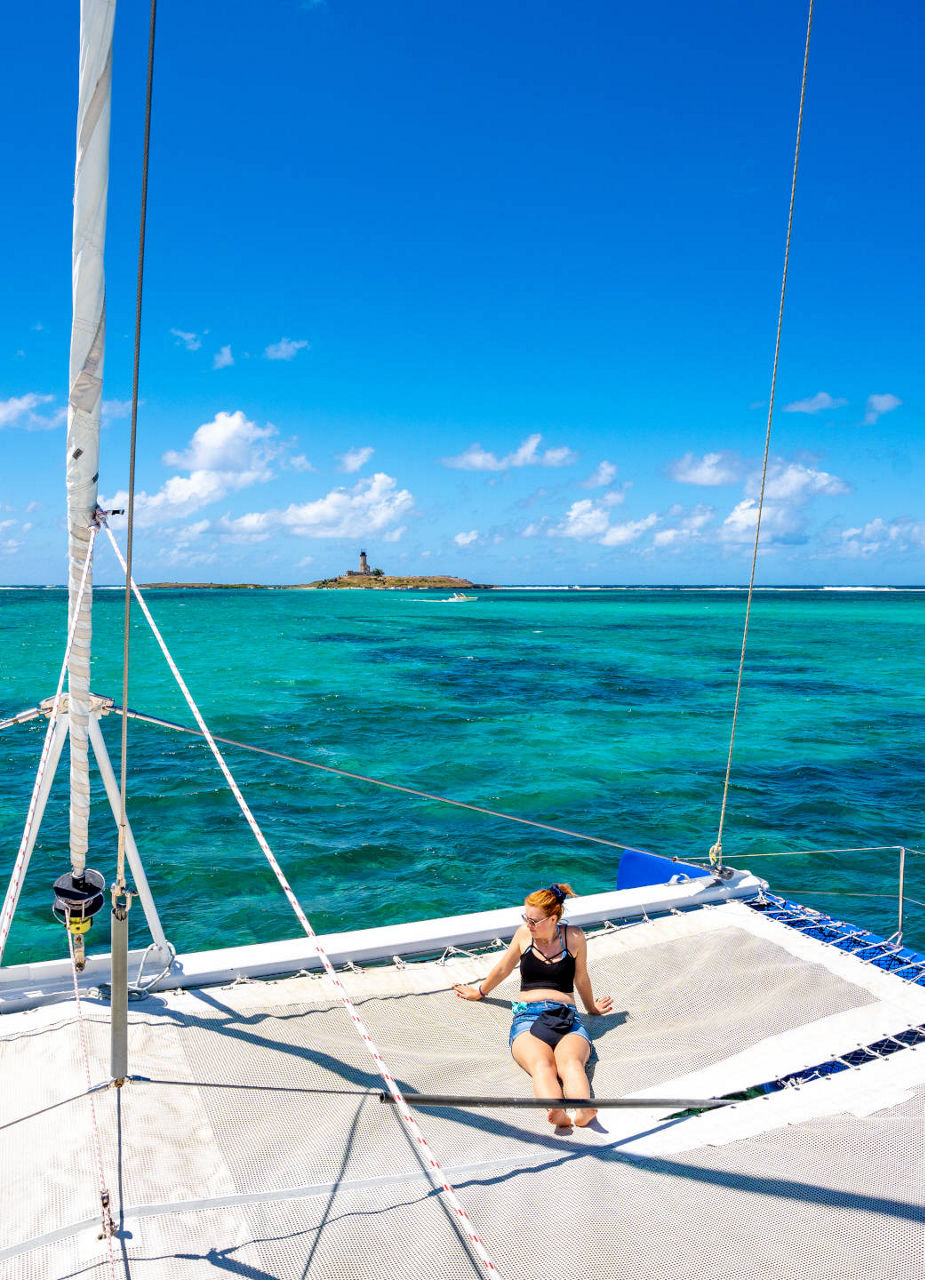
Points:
point(537, 974)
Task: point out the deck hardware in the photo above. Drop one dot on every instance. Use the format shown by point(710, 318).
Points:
point(77, 900)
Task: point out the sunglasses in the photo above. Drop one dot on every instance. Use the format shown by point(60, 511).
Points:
point(533, 921)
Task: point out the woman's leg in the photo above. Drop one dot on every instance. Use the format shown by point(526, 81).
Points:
point(572, 1053)
point(536, 1058)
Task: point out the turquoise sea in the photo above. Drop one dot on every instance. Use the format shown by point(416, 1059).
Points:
point(607, 711)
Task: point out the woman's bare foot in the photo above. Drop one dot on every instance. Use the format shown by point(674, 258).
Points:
point(559, 1118)
point(585, 1116)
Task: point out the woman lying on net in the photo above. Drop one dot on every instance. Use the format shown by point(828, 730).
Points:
point(548, 1038)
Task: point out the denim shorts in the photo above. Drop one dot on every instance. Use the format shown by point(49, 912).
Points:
point(527, 1011)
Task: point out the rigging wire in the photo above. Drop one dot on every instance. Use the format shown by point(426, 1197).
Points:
point(22, 857)
point(120, 868)
point(716, 852)
point(362, 777)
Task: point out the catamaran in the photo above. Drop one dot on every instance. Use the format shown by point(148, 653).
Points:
point(316, 1106)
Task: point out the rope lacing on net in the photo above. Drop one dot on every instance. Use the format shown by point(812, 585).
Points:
point(108, 1227)
point(716, 851)
point(15, 886)
point(460, 1217)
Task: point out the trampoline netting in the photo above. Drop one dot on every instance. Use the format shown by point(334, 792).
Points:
point(269, 1155)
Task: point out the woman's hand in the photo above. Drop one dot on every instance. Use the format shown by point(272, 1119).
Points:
point(466, 992)
point(603, 1004)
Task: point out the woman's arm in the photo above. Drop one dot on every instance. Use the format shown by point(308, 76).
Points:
point(579, 948)
point(505, 966)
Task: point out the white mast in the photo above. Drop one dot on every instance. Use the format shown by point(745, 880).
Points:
point(85, 388)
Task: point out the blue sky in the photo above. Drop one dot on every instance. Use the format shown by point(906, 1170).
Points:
point(488, 289)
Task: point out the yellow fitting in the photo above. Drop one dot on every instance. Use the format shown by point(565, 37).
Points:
point(79, 927)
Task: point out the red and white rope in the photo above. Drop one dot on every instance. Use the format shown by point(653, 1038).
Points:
point(15, 886)
point(85, 1047)
point(461, 1218)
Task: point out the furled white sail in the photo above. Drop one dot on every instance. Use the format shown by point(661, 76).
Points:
point(85, 387)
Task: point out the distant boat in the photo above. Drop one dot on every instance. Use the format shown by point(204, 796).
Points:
point(458, 598)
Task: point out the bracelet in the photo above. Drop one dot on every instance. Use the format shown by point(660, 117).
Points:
point(480, 991)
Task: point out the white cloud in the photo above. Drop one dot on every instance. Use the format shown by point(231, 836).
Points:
point(618, 535)
point(112, 409)
point(285, 349)
point(191, 341)
point(582, 520)
point(464, 539)
point(789, 489)
point(788, 482)
point(247, 529)
point(601, 477)
point(190, 532)
point(223, 359)
point(183, 554)
point(300, 463)
point(394, 535)
point(877, 405)
point(666, 537)
point(354, 459)
point(586, 519)
point(814, 404)
point(10, 545)
point(20, 411)
point(225, 455)
point(779, 523)
point(230, 442)
point(718, 468)
point(689, 528)
point(370, 507)
point(475, 458)
point(896, 536)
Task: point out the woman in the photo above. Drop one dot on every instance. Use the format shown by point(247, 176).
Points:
point(548, 1038)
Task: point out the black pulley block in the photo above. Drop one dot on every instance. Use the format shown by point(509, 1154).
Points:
point(79, 897)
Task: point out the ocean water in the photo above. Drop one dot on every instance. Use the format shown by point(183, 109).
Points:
point(605, 711)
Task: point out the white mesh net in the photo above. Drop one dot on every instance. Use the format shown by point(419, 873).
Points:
point(298, 1170)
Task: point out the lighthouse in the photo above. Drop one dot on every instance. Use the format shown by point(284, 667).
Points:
point(364, 566)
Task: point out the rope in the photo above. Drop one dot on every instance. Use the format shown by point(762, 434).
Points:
point(378, 782)
point(120, 863)
point(461, 1218)
point(108, 1225)
point(15, 886)
point(716, 852)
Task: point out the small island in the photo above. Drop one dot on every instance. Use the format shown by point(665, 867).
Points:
point(362, 579)
point(388, 582)
point(367, 578)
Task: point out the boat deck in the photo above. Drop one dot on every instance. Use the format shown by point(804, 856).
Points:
point(259, 1148)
